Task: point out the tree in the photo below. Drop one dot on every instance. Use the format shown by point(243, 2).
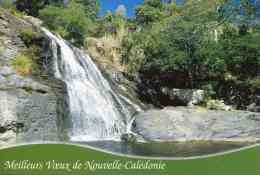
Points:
point(31, 7)
point(91, 7)
point(242, 51)
point(149, 12)
point(242, 12)
point(70, 22)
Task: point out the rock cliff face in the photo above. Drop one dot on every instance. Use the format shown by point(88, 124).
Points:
point(31, 107)
point(106, 55)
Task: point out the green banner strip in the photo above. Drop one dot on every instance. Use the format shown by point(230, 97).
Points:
point(58, 159)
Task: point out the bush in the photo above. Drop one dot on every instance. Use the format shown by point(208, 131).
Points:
point(28, 36)
point(23, 64)
point(133, 56)
point(209, 92)
point(255, 83)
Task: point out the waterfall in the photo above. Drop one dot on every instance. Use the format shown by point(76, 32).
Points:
point(96, 111)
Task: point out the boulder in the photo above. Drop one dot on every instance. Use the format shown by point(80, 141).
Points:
point(253, 107)
point(129, 138)
point(189, 124)
point(218, 105)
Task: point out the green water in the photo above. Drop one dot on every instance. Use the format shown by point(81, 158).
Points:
point(173, 149)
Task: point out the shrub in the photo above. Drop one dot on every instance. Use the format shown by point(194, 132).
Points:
point(209, 92)
point(23, 64)
point(28, 36)
point(255, 82)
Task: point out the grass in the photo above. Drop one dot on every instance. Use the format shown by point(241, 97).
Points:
point(28, 36)
point(26, 63)
point(16, 13)
point(23, 64)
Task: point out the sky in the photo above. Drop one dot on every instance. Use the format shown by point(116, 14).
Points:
point(111, 5)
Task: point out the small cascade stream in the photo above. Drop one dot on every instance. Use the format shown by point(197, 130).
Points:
point(97, 112)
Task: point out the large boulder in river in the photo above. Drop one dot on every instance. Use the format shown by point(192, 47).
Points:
point(188, 124)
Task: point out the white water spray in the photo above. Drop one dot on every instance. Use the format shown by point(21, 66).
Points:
point(97, 112)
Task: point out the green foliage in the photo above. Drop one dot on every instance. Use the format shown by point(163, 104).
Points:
point(30, 7)
point(27, 63)
point(23, 64)
point(110, 24)
point(91, 7)
point(132, 55)
point(255, 82)
point(149, 12)
point(209, 91)
point(195, 39)
point(8, 5)
point(70, 22)
point(181, 46)
point(242, 51)
point(243, 12)
point(28, 36)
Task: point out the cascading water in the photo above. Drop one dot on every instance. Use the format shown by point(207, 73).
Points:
point(97, 113)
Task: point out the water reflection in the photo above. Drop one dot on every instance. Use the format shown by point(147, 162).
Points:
point(173, 149)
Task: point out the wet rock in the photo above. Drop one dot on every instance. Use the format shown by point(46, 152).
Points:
point(129, 138)
point(7, 138)
point(187, 124)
